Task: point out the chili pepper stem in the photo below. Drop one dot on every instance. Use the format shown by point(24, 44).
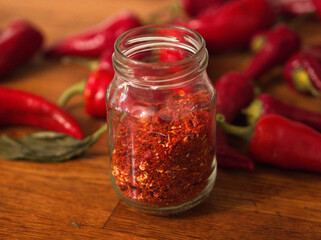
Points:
point(78, 88)
point(99, 132)
point(90, 64)
point(303, 82)
point(242, 132)
point(253, 111)
point(257, 44)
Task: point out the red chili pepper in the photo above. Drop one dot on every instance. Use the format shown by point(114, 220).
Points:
point(18, 43)
point(266, 104)
point(194, 8)
point(234, 92)
point(23, 108)
point(95, 41)
point(105, 60)
point(232, 25)
point(172, 54)
point(303, 73)
point(293, 8)
point(95, 91)
point(317, 5)
point(94, 88)
point(280, 43)
point(281, 142)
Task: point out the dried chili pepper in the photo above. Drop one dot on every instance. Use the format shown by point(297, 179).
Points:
point(279, 44)
point(222, 32)
point(23, 108)
point(234, 92)
point(18, 43)
point(266, 104)
point(280, 142)
point(303, 73)
point(95, 41)
point(171, 159)
point(94, 88)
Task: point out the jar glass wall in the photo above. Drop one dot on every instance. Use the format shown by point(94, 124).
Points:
point(161, 119)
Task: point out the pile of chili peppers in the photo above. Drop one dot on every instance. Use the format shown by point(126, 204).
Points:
point(271, 122)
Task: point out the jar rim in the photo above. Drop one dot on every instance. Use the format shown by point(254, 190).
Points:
point(199, 51)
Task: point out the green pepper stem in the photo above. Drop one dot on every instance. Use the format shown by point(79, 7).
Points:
point(99, 132)
point(77, 88)
point(242, 132)
point(253, 111)
point(303, 82)
point(258, 43)
point(90, 64)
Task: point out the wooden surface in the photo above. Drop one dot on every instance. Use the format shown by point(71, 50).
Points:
point(44, 201)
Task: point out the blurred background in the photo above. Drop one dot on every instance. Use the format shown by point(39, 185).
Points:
point(58, 18)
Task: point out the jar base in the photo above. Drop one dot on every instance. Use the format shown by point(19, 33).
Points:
point(166, 211)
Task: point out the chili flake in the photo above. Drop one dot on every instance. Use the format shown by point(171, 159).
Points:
point(166, 159)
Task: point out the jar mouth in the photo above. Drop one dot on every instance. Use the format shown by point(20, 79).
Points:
point(159, 54)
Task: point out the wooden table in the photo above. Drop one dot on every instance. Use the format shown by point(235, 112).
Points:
point(49, 201)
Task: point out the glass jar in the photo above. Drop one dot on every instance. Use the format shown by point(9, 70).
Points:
point(161, 118)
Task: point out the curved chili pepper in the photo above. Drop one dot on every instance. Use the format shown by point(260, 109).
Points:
point(280, 142)
point(232, 25)
point(317, 5)
point(93, 42)
point(303, 73)
point(266, 104)
point(94, 88)
point(279, 44)
point(23, 108)
point(18, 43)
point(234, 92)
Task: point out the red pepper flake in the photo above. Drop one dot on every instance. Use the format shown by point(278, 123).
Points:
point(167, 159)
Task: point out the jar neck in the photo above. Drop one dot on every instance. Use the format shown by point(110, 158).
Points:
point(160, 55)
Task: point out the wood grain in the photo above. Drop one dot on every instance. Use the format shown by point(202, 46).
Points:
point(49, 201)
